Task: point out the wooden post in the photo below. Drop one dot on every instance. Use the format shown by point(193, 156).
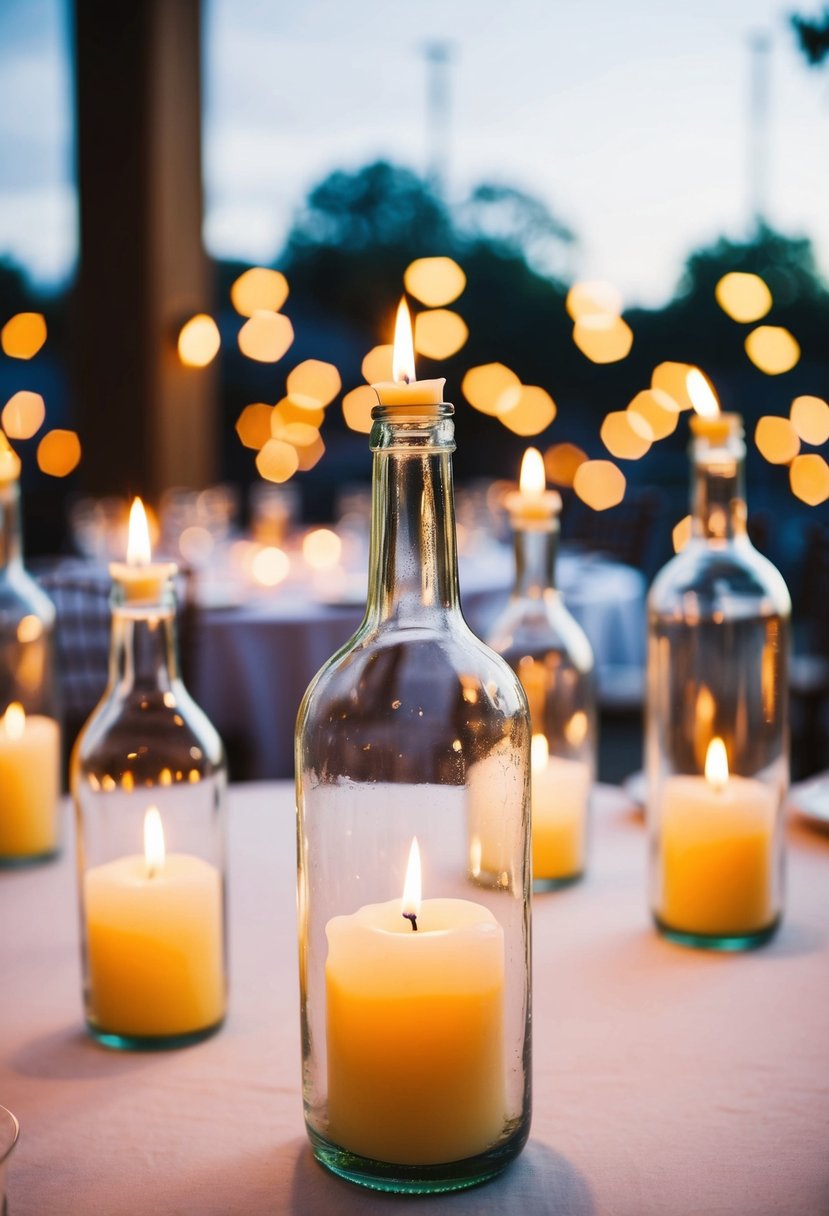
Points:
point(146, 422)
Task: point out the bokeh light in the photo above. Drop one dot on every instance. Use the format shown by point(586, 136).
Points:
point(313, 383)
point(259, 289)
point(561, 462)
point(681, 533)
point(434, 281)
point(357, 407)
point(321, 548)
point(286, 412)
point(600, 484)
point(603, 337)
point(773, 349)
point(593, 298)
point(809, 478)
point(311, 455)
point(658, 409)
point(59, 453)
point(266, 336)
point(491, 388)
point(810, 418)
point(270, 566)
point(532, 413)
point(672, 378)
point(628, 436)
point(9, 461)
point(253, 426)
point(196, 545)
point(439, 333)
point(300, 434)
point(23, 335)
point(744, 297)
point(23, 415)
point(198, 341)
point(776, 439)
point(376, 367)
point(277, 460)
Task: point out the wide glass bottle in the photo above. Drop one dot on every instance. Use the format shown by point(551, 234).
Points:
point(717, 759)
point(550, 652)
point(415, 1015)
point(30, 737)
point(149, 782)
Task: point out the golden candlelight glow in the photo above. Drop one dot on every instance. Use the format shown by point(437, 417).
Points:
point(322, 548)
point(744, 297)
point(23, 335)
point(377, 366)
point(575, 730)
point(681, 533)
point(266, 336)
point(603, 337)
point(277, 460)
point(626, 435)
point(532, 479)
point(259, 289)
point(593, 298)
point(716, 764)
point(403, 361)
point(776, 439)
point(154, 852)
point(773, 349)
point(139, 550)
point(539, 753)
point(703, 398)
point(29, 628)
point(310, 455)
point(532, 413)
point(253, 426)
point(300, 434)
point(9, 461)
point(23, 415)
point(59, 453)
point(476, 852)
point(809, 478)
point(491, 388)
point(810, 418)
point(357, 407)
point(561, 462)
point(286, 412)
point(658, 409)
point(599, 484)
point(14, 720)
point(672, 378)
point(270, 566)
point(410, 904)
point(313, 384)
point(434, 281)
point(199, 341)
point(439, 333)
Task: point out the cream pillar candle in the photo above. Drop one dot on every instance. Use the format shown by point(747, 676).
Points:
point(29, 784)
point(416, 1066)
point(560, 793)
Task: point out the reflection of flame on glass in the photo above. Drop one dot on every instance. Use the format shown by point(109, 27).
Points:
point(475, 855)
point(154, 853)
point(575, 731)
point(14, 720)
point(410, 905)
point(716, 764)
point(539, 753)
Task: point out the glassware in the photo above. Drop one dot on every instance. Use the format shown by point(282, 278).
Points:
point(149, 782)
point(30, 736)
point(717, 760)
point(9, 1133)
point(553, 658)
point(415, 1024)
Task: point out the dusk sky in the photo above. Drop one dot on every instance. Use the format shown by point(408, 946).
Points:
point(630, 121)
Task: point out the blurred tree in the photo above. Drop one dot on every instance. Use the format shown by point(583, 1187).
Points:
point(516, 224)
point(812, 36)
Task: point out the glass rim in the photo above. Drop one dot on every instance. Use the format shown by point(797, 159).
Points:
point(9, 1119)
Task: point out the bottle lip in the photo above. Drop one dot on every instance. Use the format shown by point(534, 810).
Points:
point(413, 413)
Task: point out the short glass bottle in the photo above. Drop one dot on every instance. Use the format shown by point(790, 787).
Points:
point(549, 650)
point(716, 739)
point(30, 735)
point(149, 780)
point(416, 1046)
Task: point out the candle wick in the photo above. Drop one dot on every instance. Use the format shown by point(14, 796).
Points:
point(412, 916)
point(406, 381)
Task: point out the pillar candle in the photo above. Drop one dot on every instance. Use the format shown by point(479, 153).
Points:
point(29, 784)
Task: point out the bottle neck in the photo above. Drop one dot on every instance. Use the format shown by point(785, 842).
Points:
point(718, 501)
point(413, 563)
point(535, 561)
point(143, 653)
point(11, 549)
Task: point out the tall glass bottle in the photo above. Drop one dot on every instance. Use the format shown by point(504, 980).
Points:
point(716, 718)
point(149, 780)
point(415, 1015)
point(553, 658)
point(30, 738)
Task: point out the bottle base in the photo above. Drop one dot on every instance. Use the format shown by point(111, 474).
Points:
point(417, 1179)
point(24, 860)
point(726, 942)
point(151, 1042)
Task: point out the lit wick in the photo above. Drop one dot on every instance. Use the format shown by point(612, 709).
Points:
point(410, 906)
point(412, 916)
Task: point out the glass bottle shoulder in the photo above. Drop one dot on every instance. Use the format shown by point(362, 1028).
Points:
point(21, 596)
point(540, 624)
point(729, 575)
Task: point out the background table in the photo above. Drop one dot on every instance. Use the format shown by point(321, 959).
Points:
point(666, 1081)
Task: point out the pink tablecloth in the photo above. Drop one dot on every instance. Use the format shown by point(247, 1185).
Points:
point(667, 1082)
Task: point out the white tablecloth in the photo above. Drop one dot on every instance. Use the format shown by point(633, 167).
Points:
point(667, 1082)
point(254, 661)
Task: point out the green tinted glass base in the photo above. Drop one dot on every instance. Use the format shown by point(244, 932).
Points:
point(725, 942)
point(418, 1179)
point(540, 885)
point(157, 1042)
point(28, 859)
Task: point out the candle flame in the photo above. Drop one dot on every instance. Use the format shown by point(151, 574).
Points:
point(138, 539)
point(402, 361)
point(154, 852)
point(703, 397)
point(533, 478)
point(410, 905)
point(539, 753)
point(716, 764)
point(14, 720)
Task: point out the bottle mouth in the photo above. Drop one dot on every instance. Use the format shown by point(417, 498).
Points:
point(403, 428)
point(412, 413)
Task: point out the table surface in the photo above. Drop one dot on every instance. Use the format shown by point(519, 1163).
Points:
point(666, 1081)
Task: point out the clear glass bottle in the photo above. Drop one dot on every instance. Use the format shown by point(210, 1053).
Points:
point(553, 658)
point(416, 1047)
point(149, 781)
point(30, 736)
point(716, 744)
